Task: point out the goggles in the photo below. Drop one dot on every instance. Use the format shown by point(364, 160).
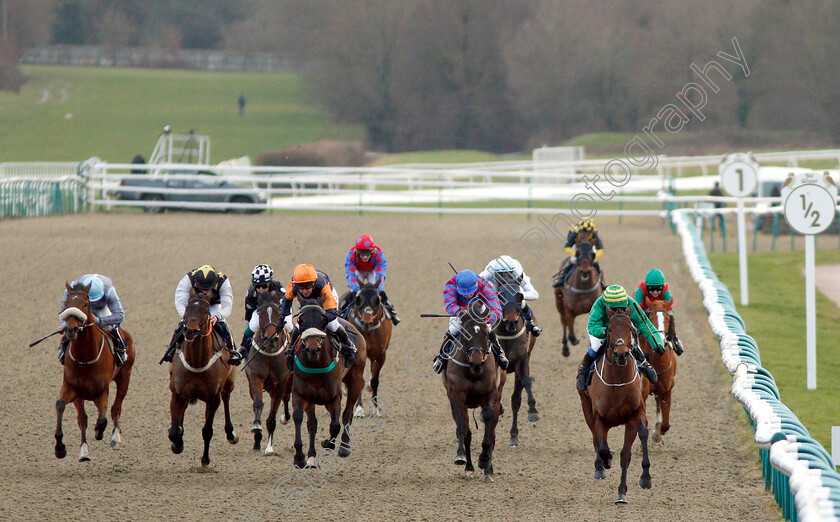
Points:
point(655, 288)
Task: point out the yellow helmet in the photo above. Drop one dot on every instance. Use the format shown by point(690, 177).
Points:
point(586, 225)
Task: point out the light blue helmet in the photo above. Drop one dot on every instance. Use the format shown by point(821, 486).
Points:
point(467, 282)
point(97, 289)
point(505, 264)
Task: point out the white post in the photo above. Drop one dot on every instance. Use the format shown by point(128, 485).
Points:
point(835, 445)
point(742, 253)
point(810, 314)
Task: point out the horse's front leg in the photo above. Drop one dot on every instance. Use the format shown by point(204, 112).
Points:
point(66, 395)
point(663, 415)
point(570, 320)
point(601, 444)
point(255, 388)
point(312, 427)
point(270, 422)
point(298, 405)
point(82, 419)
point(177, 407)
point(533, 414)
point(121, 380)
point(490, 416)
point(462, 431)
point(375, 369)
point(101, 404)
point(207, 430)
point(645, 481)
point(515, 404)
point(230, 434)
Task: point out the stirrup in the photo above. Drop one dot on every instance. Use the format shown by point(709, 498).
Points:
point(439, 364)
point(235, 358)
point(533, 328)
point(120, 357)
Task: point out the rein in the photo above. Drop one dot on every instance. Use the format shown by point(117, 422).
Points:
point(600, 373)
point(514, 336)
point(587, 290)
point(86, 363)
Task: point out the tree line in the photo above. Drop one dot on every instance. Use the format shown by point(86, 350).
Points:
point(497, 75)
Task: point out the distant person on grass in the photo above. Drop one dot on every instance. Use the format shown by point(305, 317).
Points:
point(241, 102)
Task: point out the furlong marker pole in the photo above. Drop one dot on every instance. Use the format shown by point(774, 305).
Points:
point(810, 313)
point(742, 253)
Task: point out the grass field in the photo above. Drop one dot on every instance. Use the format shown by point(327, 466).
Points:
point(775, 317)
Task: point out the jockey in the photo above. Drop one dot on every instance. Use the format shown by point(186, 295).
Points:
point(261, 282)
point(106, 306)
point(617, 299)
point(459, 293)
point(365, 263)
point(507, 270)
point(655, 288)
point(215, 287)
point(308, 283)
point(585, 230)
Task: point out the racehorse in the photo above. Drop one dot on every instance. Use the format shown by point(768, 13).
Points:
point(266, 371)
point(614, 398)
point(88, 371)
point(369, 316)
point(200, 372)
point(576, 296)
point(517, 345)
point(318, 375)
point(665, 365)
point(473, 380)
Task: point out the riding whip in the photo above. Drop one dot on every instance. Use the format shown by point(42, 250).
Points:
point(44, 338)
point(434, 315)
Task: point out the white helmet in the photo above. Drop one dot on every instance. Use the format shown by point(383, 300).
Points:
point(505, 263)
point(261, 274)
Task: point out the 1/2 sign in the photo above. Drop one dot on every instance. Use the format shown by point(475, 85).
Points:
point(738, 174)
point(810, 205)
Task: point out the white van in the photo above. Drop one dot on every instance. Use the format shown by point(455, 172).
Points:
point(769, 176)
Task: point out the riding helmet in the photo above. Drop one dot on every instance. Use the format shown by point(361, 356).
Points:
point(304, 274)
point(655, 277)
point(205, 277)
point(365, 242)
point(615, 297)
point(586, 225)
point(505, 263)
point(261, 274)
point(97, 289)
point(466, 282)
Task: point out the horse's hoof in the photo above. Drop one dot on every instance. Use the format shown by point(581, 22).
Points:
point(656, 437)
point(621, 499)
point(343, 451)
point(311, 463)
point(514, 443)
point(574, 340)
point(460, 460)
point(84, 453)
point(300, 463)
point(328, 443)
point(469, 474)
point(60, 451)
point(269, 450)
point(115, 445)
point(205, 461)
point(533, 417)
point(600, 474)
point(645, 483)
point(255, 428)
point(483, 463)
point(233, 438)
point(359, 412)
point(565, 351)
point(488, 477)
point(176, 448)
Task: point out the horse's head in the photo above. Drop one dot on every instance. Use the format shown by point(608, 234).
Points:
point(312, 323)
point(511, 299)
point(367, 305)
point(77, 309)
point(474, 341)
point(620, 336)
point(271, 330)
point(657, 312)
point(585, 257)
point(196, 317)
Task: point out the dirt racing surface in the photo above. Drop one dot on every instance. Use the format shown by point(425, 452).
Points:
point(402, 464)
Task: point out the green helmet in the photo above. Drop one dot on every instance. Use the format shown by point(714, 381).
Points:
point(615, 297)
point(655, 278)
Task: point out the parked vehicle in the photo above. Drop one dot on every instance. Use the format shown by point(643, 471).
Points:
point(208, 187)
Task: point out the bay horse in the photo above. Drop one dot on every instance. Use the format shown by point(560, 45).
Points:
point(318, 375)
point(473, 380)
point(89, 369)
point(576, 296)
point(665, 365)
point(266, 371)
point(369, 316)
point(517, 344)
point(614, 398)
point(200, 372)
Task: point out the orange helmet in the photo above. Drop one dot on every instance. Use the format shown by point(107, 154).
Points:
point(304, 274)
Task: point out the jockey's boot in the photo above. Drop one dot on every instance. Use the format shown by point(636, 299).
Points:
point(561, 276)
point(62, 349)
point(644, 366)
point(672, 336)
point(344, 304)
point(119, 346)
point(245, 345)
point(177, 339)
point(290, 350)
point(583, 371)
point(604, 285)
point(496, 348)
point(445, 352)
point(348, 346)
point(392, 314)
point(222, 328)
point(530, 325)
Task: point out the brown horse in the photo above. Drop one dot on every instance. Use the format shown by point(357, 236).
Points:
point(267, 371)
point(615, 398)
point(517, 344)
point(369, 316)
point(318, 375)
point(665, 365)
point(88, 371)
point(472, 380)
point(576, 296)
point(200, 372)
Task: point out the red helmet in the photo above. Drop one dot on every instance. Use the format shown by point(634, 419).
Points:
point(365, 243)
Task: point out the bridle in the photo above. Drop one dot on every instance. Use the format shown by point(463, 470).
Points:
point(191, 333)
point(273, 310)
point(378, 312)
point(469, 350)
point(81, 313)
